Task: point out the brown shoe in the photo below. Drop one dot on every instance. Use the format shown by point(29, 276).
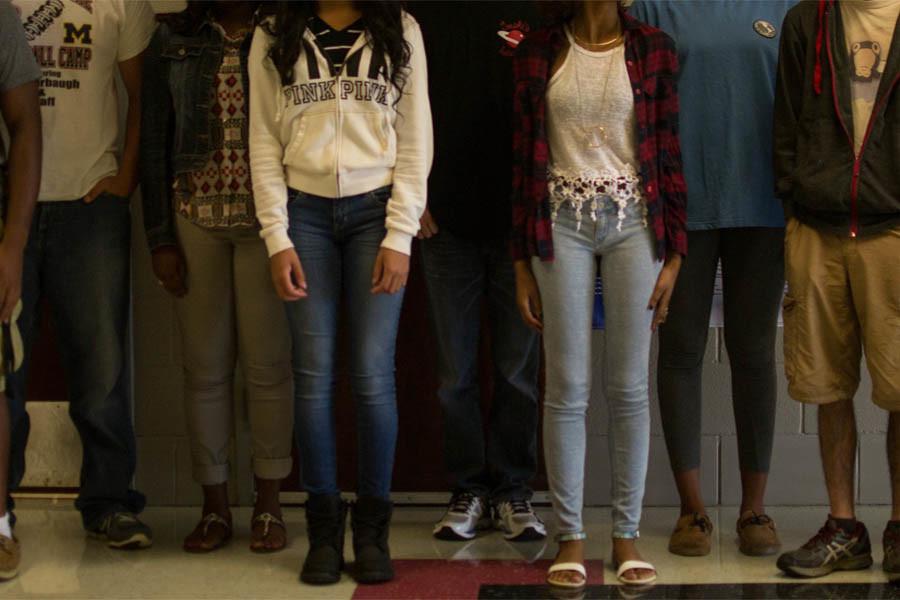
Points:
point(757, 534)
point(10, 555)
point(692, 536)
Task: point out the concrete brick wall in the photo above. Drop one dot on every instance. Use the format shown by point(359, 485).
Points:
point(796, 475)
point(164, 455)
point(796, 479)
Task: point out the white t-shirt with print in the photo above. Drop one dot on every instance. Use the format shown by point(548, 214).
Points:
point(78, 45)
point(868, 29)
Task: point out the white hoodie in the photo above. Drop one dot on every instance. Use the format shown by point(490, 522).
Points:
point(339, 136)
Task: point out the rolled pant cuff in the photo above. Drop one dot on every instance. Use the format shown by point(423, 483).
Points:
point(210, 474)
point(626, 535)
point(571, 537)
point(272, 468)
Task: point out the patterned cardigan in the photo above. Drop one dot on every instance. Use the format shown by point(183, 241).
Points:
point(652, 65)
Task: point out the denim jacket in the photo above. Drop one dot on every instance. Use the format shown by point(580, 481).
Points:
point(178, 132)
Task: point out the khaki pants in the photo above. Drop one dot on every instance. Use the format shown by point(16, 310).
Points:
point(843, 297)
point(230, 311)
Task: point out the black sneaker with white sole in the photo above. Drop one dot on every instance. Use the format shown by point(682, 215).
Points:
point(466, 515)
point(123, 531)
point(832, 549)
point(518, 521)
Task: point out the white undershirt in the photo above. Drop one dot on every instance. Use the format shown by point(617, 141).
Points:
point(591, 131)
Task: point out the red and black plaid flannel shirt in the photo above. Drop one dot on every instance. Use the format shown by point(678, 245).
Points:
point(653, 68)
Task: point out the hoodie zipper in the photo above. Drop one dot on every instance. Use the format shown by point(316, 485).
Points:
point(339, 113)
point(857, 156)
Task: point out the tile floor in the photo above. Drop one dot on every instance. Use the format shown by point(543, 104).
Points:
point(59, 562)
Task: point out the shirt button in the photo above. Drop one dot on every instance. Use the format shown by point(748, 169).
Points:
point(649, 188)
point(181, 52)
point(637, 91)
point(630, 63)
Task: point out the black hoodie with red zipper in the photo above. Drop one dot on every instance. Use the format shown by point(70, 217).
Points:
point(820, 178)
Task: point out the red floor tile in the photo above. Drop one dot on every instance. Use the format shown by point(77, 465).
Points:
point(461, 579)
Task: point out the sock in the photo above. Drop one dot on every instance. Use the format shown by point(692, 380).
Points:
point(5, 527)
point(846, 525)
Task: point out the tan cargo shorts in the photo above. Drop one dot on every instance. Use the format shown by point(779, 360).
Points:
point(843, 298)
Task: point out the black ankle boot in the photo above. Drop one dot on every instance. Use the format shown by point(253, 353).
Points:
point(371, 520)
point(326, 518)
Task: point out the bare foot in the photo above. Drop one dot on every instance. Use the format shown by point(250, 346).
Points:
point(211, 533)
point(267, 531)
point(625, 550)
point(568, 552)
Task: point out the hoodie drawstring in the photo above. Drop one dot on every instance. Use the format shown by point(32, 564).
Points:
point(820, 36)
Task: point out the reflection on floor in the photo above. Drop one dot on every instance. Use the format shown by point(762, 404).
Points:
point(59, 562)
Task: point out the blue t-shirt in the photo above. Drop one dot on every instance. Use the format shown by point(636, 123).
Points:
point(728, 51)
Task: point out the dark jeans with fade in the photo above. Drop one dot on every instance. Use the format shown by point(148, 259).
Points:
point(459, 274)
point(338, 241)
point(78, 258)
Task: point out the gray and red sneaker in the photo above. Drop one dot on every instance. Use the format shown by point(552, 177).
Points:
point(832, 549)
point(891, 541)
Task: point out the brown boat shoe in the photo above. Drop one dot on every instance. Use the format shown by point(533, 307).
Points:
point(692, 535)
point(757, 534)
point(10, 556)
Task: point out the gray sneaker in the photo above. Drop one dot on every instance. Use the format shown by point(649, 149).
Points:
point(123, 531)
point(832, 549)
point(518, 521)
point(465, 517)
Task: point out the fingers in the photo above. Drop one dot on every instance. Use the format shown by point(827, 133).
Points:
point(529, 308)
point(391, 282)
point(390, 273)
point(296, 280)
point(10, 297)
point(98, 189)
point(661, 313)
point(656, 296)
point(428, 228)
point(378, 272)
point(288, 277)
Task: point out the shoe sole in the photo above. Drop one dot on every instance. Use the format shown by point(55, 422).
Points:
point(319, 578)
point(448, 534)
point(529, 534)
point(856, 563)
point(374, 577)
point(689, 552)
point(6, 575)
point(138, 541)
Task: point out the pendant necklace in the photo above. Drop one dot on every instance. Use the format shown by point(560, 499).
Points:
point(595, 135)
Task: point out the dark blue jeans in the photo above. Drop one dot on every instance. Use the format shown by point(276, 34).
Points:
point(78, 258)
point(459, 274)
point(337, 241)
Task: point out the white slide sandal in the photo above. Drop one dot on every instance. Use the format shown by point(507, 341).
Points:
point(628, 565)
point(567, 566)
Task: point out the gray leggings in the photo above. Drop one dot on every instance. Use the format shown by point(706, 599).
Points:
point(753, 281)
point(231, 312)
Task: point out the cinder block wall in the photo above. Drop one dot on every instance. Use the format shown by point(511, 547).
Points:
point(796, 478)
point(796, 475)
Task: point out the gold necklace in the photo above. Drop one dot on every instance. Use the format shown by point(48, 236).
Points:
point(615, 40)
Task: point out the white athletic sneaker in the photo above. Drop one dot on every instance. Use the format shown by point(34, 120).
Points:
point(518, 521)
point(466, 515)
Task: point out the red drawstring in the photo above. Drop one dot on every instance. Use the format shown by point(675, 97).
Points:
point(820, 36)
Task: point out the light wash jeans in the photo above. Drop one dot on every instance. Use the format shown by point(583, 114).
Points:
point(629, 269)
